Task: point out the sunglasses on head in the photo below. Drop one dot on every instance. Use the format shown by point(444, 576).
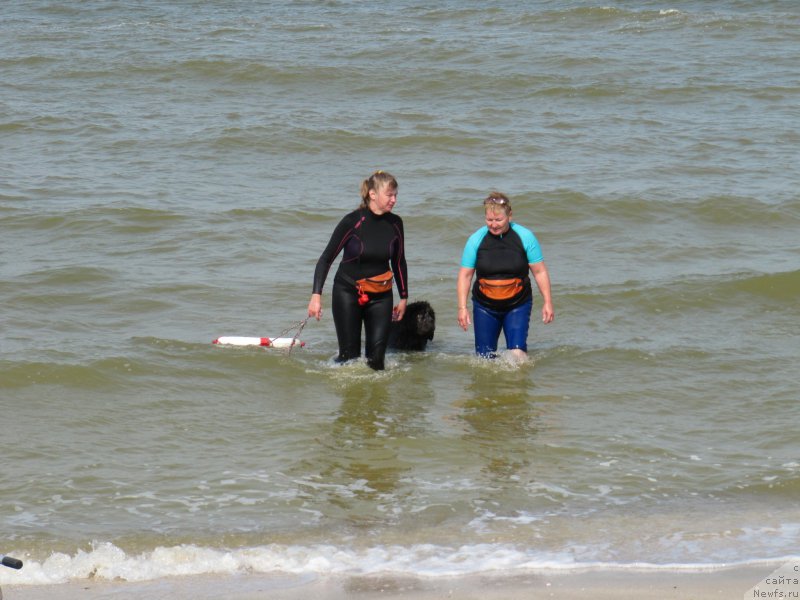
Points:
point(500, 201)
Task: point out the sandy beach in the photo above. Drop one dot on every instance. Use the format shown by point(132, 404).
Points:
point(734, 582)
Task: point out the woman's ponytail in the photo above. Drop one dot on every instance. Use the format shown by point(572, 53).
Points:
point(377, 180)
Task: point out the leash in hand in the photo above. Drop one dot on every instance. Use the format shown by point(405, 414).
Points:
point(299, 327)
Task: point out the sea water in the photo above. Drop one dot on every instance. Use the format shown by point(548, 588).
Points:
point(170, 173)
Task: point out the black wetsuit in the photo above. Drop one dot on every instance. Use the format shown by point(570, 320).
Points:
point(371, 243)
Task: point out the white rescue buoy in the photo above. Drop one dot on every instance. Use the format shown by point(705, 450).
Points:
point(279, 342)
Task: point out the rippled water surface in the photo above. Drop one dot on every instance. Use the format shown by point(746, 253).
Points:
point(170, 172)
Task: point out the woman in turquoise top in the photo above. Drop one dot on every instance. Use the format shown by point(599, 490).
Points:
point(501, 253)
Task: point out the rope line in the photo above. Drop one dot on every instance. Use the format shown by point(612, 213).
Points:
point(299, 326)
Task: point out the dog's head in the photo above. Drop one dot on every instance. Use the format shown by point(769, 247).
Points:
point(422, 318)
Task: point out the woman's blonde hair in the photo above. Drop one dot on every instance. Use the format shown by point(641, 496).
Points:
point(498, 200)
point(377, 180)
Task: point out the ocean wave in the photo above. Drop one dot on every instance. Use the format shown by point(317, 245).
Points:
point(642, 18)
point(776, 287)
point(571, 206)
point(691, 292)
point(27, 62)
point(743, 210)
point(108, 375)
point(69, 276)
point(103, 218)
point(297, 27)
point(107, 562)
point(302, 137)
point(785, 484)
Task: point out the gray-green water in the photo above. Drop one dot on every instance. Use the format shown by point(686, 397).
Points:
point(170, 172)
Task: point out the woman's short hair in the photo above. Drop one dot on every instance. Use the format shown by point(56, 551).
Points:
point(497, 200)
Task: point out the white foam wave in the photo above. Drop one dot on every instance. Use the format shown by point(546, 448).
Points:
point(108, 562)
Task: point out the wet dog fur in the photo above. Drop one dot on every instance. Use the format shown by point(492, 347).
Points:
point(415, 329)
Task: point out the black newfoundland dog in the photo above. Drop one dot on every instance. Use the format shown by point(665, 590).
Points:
point(414, 330)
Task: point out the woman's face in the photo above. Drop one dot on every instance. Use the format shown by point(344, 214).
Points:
point(497, 220)
point(382, 199)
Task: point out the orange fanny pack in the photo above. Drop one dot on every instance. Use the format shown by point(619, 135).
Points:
point(500, 289)
point(377, 284)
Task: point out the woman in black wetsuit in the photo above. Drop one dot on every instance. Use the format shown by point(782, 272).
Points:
point(372, 240)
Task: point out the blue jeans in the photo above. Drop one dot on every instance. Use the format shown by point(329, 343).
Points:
point(488, 323)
